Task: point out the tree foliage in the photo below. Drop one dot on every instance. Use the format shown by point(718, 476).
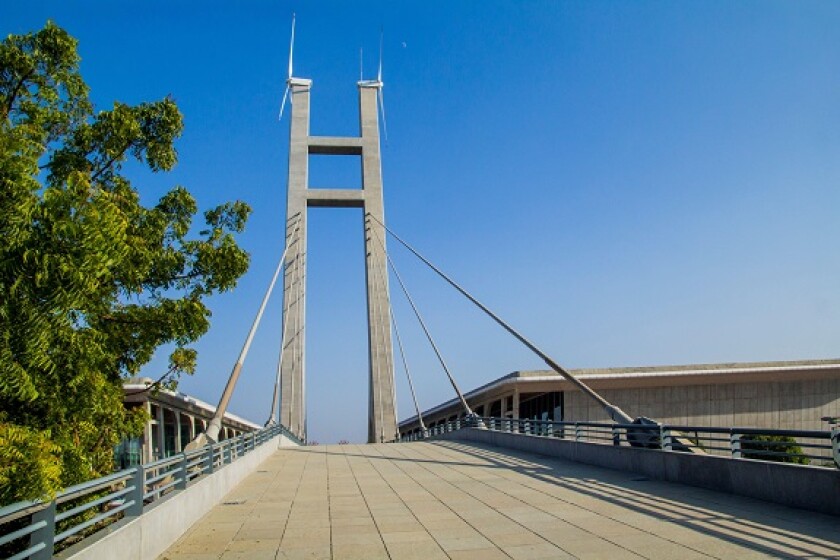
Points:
point(763, 447)
point(92, 282)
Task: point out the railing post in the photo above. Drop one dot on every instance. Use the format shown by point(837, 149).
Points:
point(138, 480)
point(210, 460)
point(182, 466)
point(835, 445)
point(666, 438)
point(735, 445)
point(227, 452)
point(578, 432)
point(44, 535)
point(616, 435)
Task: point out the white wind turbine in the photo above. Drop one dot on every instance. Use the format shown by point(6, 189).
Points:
point(378, 84)
point(291, 80)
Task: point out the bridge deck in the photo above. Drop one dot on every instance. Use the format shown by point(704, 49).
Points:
point(451, 500)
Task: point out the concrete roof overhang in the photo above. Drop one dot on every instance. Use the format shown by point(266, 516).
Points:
point(543, 381)
point(138, 393)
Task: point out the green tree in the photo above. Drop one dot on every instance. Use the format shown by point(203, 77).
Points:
point(756, 446)
point(91, 281)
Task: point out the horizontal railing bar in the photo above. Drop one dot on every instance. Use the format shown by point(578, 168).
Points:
point(161, 476)
point(93, 485)
point(196, 463)
point(82, 526)
point(707, 447)
point(165, 462)
point(20, 509)
point(86, 506)
point(22, 532)
point(28, 552)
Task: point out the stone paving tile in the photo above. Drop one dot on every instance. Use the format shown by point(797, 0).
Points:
point(359, 552)
point(439, 500)
point(423, 550)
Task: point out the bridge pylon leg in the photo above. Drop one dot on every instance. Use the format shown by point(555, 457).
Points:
point(382, 415)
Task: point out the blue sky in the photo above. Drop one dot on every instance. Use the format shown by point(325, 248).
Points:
point(632, 183)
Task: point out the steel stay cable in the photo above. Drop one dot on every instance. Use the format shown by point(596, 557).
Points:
point(402, 352)
point(215, 425)
point(614, 412)
point(425, 329)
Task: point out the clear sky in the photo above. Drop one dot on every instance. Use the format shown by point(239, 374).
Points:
point(633, 183)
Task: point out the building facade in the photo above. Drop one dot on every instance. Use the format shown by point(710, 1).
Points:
point(781, 395)
point(175, 419)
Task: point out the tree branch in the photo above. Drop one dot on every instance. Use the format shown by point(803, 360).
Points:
point(11, 101)
point(155, 385)
point(111, 161)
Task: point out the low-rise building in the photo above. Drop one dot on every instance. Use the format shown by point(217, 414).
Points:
point(175, 419)
point(781, 395)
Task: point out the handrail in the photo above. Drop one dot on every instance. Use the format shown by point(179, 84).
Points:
point(83, 509)
point(811, 447)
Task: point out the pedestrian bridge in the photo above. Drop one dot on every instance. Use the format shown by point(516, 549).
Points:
point(473, 492)
point(452, 499)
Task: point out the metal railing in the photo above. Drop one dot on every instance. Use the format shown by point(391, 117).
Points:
point(811, 447)
point(37, 529)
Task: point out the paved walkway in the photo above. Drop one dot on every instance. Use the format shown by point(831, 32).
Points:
point(429, 501)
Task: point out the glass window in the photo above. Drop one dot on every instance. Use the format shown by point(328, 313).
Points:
point(542, 406)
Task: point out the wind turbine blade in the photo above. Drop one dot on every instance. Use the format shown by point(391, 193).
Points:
point(283, 104)
point(379, 76)
point(292, 46)
point(382, 110)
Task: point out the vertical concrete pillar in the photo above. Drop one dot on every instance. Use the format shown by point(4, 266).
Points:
point(516, 402)
point(382, 417)
point(161, 430)
point(292, 391)
point(178, 447)
point(147, 435)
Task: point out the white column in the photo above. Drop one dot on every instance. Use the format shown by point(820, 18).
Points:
point(161, 432)
point(178, 447)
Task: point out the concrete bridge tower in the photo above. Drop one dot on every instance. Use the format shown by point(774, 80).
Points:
point(382, 418)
